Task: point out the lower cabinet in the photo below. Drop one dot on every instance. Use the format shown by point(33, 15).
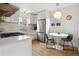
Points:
point(21, 48)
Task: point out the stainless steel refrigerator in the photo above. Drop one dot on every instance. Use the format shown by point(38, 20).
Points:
point(41, 29)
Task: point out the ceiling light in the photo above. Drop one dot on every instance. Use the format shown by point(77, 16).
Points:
point(57, 14)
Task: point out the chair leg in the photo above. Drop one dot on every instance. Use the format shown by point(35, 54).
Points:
point(63, 44)
point(46, 43)
point(67, 43)
point(46, 46)
point(72, 45)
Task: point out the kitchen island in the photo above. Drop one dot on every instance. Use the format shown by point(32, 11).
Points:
point(15, 44)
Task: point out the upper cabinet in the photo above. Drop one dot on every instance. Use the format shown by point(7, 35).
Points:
point(32, 18)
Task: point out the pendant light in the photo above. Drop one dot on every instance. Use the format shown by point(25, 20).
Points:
point(57, 14)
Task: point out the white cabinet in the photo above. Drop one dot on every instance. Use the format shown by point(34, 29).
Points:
point(32, 19)
point(12, 46)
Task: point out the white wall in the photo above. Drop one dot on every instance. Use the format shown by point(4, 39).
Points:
point(48, 21)
point(68, 26)
point(15, 17)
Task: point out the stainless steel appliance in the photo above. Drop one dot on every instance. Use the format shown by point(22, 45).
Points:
point(41, 29)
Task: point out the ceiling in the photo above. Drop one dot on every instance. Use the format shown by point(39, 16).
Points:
point(36, 7)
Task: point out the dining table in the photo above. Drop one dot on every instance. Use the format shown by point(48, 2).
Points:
point(57, 37)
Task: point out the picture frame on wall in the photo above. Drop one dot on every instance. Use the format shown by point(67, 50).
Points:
point(68, 17)
point(58, 24)
point(53, 24)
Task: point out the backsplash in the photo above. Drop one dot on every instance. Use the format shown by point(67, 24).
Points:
point(2, 18)
point(9, 27)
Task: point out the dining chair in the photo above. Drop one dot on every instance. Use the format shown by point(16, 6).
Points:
point(49, 41)
point(68, 39)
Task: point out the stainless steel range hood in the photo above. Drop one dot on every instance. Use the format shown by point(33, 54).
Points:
point(7, 9)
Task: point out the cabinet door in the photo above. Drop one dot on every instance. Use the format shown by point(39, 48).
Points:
point(22, 48)
point(33, 18)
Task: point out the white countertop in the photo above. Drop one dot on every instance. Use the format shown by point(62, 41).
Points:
point(13, 39)
point(59, 34)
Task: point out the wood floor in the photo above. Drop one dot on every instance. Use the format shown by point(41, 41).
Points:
point(39, 49)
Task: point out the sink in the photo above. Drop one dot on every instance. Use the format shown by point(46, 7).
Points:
point(3, 35)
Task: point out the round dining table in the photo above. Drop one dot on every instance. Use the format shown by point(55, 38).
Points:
point(58, 37)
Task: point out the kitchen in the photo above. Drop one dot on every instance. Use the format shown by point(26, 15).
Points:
point(32, 23)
